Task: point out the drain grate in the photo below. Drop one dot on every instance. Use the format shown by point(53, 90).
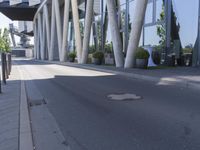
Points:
point(37, 102)
point(124, 97)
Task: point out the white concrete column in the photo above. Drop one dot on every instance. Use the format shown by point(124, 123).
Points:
point(35, 40)
point(46, 18)
point(38, 40)
point(137, 24)
point(115, 34)
point(41, 37)
point(44, 46)
point(87, 30)
point(65, 31)
point(53, 27)
point(78, 40)
point(58, 26)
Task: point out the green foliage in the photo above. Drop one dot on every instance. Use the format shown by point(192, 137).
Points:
point(92, 49)
point(81, 25)
point(161, 31)
point(108, 48)
point(123, 18)
point(187, 50)
point(141, 53)
point(72, 55)
point(98, 55)
point(4, 40)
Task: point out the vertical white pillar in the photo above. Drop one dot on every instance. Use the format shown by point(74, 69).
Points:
point(87, 30)
point(65, 31)
point(53, 26)
point(78, 40)
point(46, 18)
point(135, 32)
point(115, 33)
point(58, 26)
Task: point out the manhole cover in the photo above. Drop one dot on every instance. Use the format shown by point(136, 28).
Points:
point(37, 102)
point(124, 97)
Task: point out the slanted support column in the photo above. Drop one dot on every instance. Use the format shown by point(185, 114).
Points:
point(44, 45)
point(78, 40)
point(65, 31)
point(53, 27)
point(58, 26)
point(46, 17)
point(135, 32)
point(41, 36)
point(87, 30)
point(115, 33)
point(38, 41)
point(35, 40)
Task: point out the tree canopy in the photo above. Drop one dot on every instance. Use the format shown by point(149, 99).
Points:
point(4, 40)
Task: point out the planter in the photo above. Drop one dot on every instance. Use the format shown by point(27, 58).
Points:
point(142, 63)
point(109, 59)
point(71, 59)
point(96, 61)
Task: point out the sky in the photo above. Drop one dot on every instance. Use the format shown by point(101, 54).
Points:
point(4, 23)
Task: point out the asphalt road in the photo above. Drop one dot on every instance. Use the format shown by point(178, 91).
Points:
point(166, 118)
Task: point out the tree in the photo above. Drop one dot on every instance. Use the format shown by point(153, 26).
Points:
point(4, 40)
point(161, 32)
point(161, 29)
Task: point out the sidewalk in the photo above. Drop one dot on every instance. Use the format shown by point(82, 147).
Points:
point(14, 117)
point(188, 77)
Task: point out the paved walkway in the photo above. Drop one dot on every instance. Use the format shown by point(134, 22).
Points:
point(9, 113)
point(181, 76)
point(15, 132)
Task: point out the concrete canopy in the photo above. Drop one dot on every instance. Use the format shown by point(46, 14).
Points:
point(20, 11)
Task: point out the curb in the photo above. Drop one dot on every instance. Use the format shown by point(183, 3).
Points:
point(25, 134)
point(170, 80)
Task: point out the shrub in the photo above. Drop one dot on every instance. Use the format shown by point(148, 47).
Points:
point(98, 55)
point(187, 50)
point(72, 55)
point(141, 53)
point(108, 48)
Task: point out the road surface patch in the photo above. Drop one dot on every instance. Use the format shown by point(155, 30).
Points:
point(124, 97)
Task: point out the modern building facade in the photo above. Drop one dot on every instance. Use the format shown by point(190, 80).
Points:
point(61, 26)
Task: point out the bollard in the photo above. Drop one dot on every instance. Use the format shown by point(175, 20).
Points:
point(3, 67)
point(6, 66)
point(9, 62)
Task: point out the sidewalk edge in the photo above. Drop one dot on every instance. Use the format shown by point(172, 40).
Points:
point(25, 133)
